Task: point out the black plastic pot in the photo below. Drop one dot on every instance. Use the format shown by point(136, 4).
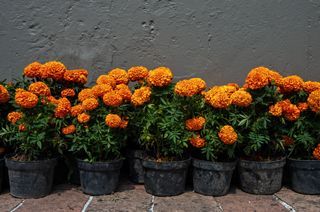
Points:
point(30, 179)
point(165, 178)
point(261, 177)
point(100, 177)
point(212, 178)
point(1, 173)
point(304, 175)
point(136, 172)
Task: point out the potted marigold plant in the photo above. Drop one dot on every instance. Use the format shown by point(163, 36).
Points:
point(162, 134)
point(98, 133)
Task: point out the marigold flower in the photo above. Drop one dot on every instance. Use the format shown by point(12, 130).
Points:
point(113, 99)
point(63, 108)
point(33, 70)
point(141, 96)
point(311, 86)
point(314, 101)
point(275, 110)
point(76, 110)
point(287, 141)
point(76, 76)
point(302, 106)
point(4, 95)
point(22, 127)
point(185, 88)
point(68, 92)
point(195, 123)
point(113, 120)
point(124, 123)
point(292, 112)
point(52, 100)
point(201, 84)
point(316, 152)
point(160, 77)
point(197, 141)
point(85, 94)
point(241, 98)
point(228, 135)
point(13, 117)
point(137, 73)
point(274, 76)
point(120, 76)
point(26, 99)
point(83, 118)
point(40, 88)
point(101, 89)
point(106, 79)
point(53, 69)
point(220, 100)
point(291, 84)
point(90, 104)
point(234, 85)
point(124, 91)
point(257, 78)
point(68, 129)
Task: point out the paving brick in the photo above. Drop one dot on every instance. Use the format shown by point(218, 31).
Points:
point(7, 202)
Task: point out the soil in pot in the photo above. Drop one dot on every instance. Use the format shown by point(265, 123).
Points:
point(30, 179)
point(304, 176)
point(99, 178)
point(134, 159)
point(261, 177)
point(165, 178)
point(212, 178)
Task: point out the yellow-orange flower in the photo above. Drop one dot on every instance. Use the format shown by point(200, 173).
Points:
point(228, 135)
point(314, 101)
point(141, 96)
point(241, 98)
point(53, 69)
point(101, 89)
point(76, 76)
point(76, 110)
point(234, 85)
point(257, 78)
point(274, 76)
point(26, 99)
point(33, 70)
point(22, 127)
point(160, 77)
point(85, 94)
point(316, 152)
point(68, 129)
point(83, 118)
point(113, 99)
point(113, 120)
point(138, 73)
point(40, 88)
point(292, 83)
point(220, 100)
point(287, 141)
point(63, 108)
point(197, 141)
point(185, 88)
point(90, 104)
point(106, 79)
point(120, 76)
point(292, 112)
point(302, 106)
point(124, 91)
point(13, 117)
point(4, 95)
point(124, 123)
point(201, 84)
point(275, 110)
point(52, 100)
point(195, 123)
point(311, 86)
point(68, 92)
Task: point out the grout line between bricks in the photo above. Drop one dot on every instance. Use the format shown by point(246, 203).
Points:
point(284, 204)
point(150, 209)
point(17, 206)
point(84, 209)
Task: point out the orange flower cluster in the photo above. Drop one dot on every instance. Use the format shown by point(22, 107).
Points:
point(197, 142)
point(124, 91)
point(160, 77)
point(76, 110)
point(311, 86)
point(83, 118)
point(33, 70)
point(195, 123)
point(228, 135)
point(68, 92)
point(76, 76)
point(314, 101)
point(85, 94)
point(68, 129)
point(4, 95)
point(63, 108)
point(141, 96)
point(26, 99)
point(316, 152)
point(113, 99)
point(40, 89)
point(219, 96)
point(90, 104)
point(138, 73)
point(106, 79)
point(257, 78)
point(119, 75)
point(190, 87)
point(13, 117)
point(290, 84)
point(52, 100)
point(274, 76)
point(101, 89)
point(53, 69)
point(302, 106)
point(113, 120)
point(284, 108)
point(241, 98)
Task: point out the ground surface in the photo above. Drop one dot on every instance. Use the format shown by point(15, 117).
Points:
point(131, 197)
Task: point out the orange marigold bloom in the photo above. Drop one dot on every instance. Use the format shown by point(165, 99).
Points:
point(63, 108)
point(197, 141)
point(316, 152)
point(124, 92)
point(68, 92)
point(26, 99)
point(274, 76)
point(120, 76)
point(40, 88)
point(33, 70)
point(52, 100)
point(113, 99)
point(201, 84)
point(234, 85)
point(287, 141)
point(241, 98)
point(314, 101)
point(311, 86)
point(302, 106)
point(195, 123)
point(291, 84)
point(101, 89)
point(160, 77)
point(113, 120)
point(220, 100)
point(106, 79)
point(53, 69)
point(185, 88)
point(292, 112)
point(68, 129)
point(83, 118)
point(138, 73)
point(13, 117)
point(275, 110)
point(22, 127)
point(228, 135)
point(124, 123)
point(85, 94)
point(76, 76)
point(257, 78)
point(141, 96)
point(90, 104)
point(76, 110)
point(4, 95)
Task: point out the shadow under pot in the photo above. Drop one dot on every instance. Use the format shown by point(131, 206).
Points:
point(165, 178)
point(261, 177)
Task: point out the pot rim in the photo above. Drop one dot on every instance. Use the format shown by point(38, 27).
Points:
point(100, 162)
point(302, 160)
point(8, 158)
point(263, 162)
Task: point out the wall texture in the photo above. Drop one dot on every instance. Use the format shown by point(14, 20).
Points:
point(220, 40)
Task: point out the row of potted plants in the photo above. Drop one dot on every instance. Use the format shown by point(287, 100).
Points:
point(160, 124)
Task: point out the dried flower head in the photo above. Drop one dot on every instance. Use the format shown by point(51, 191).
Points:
point(287, 141)
point(141, 96)
point(26, 99)
point(113, 99)
point(160, 77)
point(197, 141)
point(68, 129)
point(113, 120)
point(4, 95)
point(40, 89)
point(33, 70)
point(120, 76)
point(13, 117)
point(228, 135)
point(195, 123)
point(137, 73)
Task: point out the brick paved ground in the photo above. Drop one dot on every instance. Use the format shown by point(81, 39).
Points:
point(131, 197)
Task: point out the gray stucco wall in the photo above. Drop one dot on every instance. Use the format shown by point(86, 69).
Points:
point(218, 40)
